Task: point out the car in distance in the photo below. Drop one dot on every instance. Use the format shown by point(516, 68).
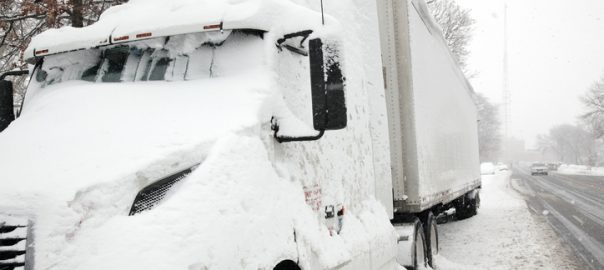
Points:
point(553, 166)
point(539, 169)
point(501, 167)
point(487, 168)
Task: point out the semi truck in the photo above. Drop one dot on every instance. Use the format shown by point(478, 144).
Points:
point(251, 134)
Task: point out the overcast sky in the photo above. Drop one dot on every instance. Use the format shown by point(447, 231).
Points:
point(556, 51)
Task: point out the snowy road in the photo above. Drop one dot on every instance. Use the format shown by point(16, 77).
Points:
point(574, 206)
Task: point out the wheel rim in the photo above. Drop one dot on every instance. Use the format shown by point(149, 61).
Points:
point(433, 240)
point(420, 256)
point(477, 201)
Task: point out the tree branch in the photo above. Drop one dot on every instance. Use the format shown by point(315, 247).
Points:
point(20, 18)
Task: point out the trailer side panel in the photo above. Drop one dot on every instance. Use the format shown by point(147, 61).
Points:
point(431, 115)
point(445, 118)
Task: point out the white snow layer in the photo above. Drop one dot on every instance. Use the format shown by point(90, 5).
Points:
point(504, 235)
point(80, 152)
point(163, 18)
point(580, 170)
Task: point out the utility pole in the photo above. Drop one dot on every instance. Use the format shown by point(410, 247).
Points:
point(506, 93)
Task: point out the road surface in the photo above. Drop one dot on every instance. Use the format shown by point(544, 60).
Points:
point(573, 205)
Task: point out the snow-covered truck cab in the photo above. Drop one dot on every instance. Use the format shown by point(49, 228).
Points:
point(179, 137)
point(214, 53)
point(238, 134)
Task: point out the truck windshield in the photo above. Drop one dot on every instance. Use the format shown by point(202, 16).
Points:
point(175, 58)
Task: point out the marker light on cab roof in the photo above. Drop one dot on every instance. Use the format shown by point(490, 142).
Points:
point(144, 35)
point(41, 52)
point(212, 26)
point(122, 38)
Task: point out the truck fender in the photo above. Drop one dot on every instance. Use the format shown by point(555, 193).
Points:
point(407, 234)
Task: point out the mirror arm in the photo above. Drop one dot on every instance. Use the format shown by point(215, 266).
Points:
point(286, 139)
point(14, 73)
point(303, 34)
point(296, 50)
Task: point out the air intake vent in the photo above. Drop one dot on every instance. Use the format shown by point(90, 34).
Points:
point(152, 195)
point(14, 234)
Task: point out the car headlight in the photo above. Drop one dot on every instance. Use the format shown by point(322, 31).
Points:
point(153, 194)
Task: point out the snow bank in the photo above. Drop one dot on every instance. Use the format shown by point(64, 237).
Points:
point(580, 169)
point(504, 234)
point(220, 232)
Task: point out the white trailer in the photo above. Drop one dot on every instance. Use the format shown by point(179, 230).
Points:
point(432, 117)
point(257, 134)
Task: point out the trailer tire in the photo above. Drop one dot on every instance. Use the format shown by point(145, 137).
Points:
point(287, 265)
point(419, 248)
point(420, 253)
point(431, 233)
point(468, 207)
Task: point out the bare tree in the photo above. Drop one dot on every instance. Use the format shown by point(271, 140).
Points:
point(20, 20)
point(572, 144)
point(456, 23)
point(594, 101)
point(489, 127)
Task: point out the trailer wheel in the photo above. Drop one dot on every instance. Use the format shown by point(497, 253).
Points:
point(411, 250)
point(468, 207)
point(419, 251)
point(287, 265)
point(431, 233)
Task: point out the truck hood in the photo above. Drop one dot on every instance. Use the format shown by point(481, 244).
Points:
point(75, 159)
point(79, 153)
point(77, 135)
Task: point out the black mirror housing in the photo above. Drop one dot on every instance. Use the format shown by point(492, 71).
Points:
point(7, 110)
point(327, 86)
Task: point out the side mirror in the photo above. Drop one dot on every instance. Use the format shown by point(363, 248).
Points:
point(7, 111)
point(327, 86)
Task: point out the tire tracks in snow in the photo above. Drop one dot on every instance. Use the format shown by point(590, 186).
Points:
point(574, 212)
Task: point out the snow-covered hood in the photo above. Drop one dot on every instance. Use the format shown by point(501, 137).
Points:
point(78, 135)
point(80, 152)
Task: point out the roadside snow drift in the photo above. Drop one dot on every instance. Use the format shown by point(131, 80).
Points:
point(580, 170)
point(504, 235)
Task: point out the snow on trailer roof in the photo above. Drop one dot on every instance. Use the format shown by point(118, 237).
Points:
point(143, 19)
point(436, 30)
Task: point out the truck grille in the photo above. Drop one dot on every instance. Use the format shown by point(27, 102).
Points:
point(152, 195)
point(14, 240)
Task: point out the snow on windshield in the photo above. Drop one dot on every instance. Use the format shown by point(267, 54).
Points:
point(176, 58)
